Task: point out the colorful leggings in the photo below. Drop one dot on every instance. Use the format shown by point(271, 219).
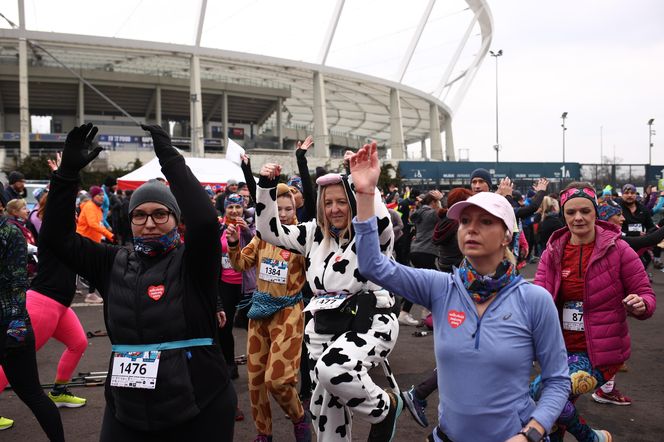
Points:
point(51, 319)
point(585, 379)
point(273, 349)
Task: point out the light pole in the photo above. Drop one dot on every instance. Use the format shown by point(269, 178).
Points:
point(650, 140)
point(564, 117)
point(496, 55)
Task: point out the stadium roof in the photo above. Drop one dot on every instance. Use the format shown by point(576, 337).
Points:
point(429, 50)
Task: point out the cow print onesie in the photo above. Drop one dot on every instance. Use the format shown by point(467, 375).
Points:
point(339, 364)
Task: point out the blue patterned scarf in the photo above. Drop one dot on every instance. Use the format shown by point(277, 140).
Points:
point(153, 246)
point(481, 287)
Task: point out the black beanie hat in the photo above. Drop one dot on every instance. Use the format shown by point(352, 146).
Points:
point(15, 176)
point(483, 174)
point(155, 191)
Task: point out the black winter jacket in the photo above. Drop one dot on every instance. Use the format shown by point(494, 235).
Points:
point(188, 379)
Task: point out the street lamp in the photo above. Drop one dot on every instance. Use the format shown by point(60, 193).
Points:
point(650, 134)
point(564, 117)
point(496, 55)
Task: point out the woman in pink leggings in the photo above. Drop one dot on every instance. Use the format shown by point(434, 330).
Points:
point(48, 303)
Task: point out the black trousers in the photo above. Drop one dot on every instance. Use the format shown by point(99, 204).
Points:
point(20, 365)
point(230, 294)
point(428, 386)
point(214, 422)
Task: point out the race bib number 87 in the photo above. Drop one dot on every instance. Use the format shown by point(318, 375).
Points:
point(573, 316)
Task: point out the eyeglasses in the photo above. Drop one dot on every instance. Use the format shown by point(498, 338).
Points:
point(158, 217)
point(574, 192)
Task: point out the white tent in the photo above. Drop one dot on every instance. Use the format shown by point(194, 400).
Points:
point(207, 170)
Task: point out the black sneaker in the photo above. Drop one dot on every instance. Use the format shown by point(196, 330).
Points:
point(385, 430)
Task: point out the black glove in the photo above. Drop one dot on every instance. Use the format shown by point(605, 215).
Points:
point(163, 147)
point(76, 154)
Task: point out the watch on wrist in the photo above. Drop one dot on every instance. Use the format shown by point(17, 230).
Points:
point(531, 434)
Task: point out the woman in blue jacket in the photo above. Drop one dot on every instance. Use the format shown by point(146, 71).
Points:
point(490, 323)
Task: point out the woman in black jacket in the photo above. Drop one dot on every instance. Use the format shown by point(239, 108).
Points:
point(550, 222)
point(167, 377)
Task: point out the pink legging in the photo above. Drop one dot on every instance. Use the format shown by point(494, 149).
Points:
point(49, 319)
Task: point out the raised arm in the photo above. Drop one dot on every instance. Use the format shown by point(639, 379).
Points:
point(87, 258)
point(307, 185)
point(248, 176)
point(268, 227)
point(414, 284)
point(203, 253)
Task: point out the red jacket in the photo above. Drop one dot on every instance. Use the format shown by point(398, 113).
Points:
point(614, 272)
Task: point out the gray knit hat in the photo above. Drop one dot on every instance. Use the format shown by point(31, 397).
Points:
point(154, 191)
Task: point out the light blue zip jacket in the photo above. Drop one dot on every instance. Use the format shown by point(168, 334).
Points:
point(484, 364)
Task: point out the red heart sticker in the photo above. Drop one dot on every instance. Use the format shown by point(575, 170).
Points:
point(455, 318)
point(156, 292)
point(285, 254)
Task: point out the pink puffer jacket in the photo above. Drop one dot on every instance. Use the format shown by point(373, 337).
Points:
point(614, 271)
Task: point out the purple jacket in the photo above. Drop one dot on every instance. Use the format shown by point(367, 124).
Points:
point(614, 271)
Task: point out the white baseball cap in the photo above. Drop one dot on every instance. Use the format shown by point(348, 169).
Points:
point(496, 205)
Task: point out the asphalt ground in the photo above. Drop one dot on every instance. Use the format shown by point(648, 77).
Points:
point(412, 361)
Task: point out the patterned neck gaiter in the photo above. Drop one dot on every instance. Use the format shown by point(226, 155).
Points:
point(158, 245)
point(481, 287)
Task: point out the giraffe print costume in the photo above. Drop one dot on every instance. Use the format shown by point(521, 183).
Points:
point(274, 342)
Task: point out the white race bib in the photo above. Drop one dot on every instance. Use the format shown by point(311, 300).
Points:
point(272, 270)
point(226, 262)
point(135, 369)
point(635, 228)
point(327, 301)
point(573, 316)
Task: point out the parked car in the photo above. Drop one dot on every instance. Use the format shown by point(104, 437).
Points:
point(30, 187)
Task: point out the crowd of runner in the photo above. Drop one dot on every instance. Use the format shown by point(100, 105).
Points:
point(323, 271)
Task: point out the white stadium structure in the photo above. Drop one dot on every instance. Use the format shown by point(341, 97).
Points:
point(264, 73)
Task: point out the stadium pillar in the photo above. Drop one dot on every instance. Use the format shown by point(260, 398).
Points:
point(434, 133)
point(196, 108)
point(280, 130)
point(396, 126)
point(24, 111)
point(423, 147)
point(80, 108)
point(224, 120)
point(449, 140)
point(157, 105)
point(2, 114)
point(321, 135)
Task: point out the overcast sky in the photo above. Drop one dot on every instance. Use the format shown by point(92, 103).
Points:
point(600, 61)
